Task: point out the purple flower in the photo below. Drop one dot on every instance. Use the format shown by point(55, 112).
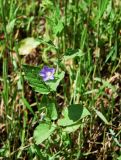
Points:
point(47, 73)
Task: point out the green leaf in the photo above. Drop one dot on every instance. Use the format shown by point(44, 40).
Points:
point(101, 117)
point(56, 21)
point(72, 53)
point(28, 105)
point(32, 76)
point(43, 131)
point(105, 84)
point(49, 44)
point(72, 114)
point(101, 9)
point(10, 26)
point(27, 45)
point(72, 128)
point(58, 28)
point(52, 111)
point(111, 53)
point(115, 137)
point(54, 84)
point(119, 158)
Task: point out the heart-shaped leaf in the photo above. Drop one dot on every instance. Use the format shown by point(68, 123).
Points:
point(72, 114)
point(43, 131)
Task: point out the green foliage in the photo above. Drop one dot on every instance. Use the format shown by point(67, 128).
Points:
point(71, 121)
point(71, 128)
point(102, 117)
point(56, 21)
point(28, 106)
point(115, 137)
point(43, 131)
point(73, 114)
point(50, 120)
point(54, 83)
point(71, 53)
point(119, 158)
point(101, 9)
point(33, 77)
point(52, 111)
point(10, 26)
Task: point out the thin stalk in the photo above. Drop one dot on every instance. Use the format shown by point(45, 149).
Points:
point(65, 12)
point(23, 135)
point(80, 143)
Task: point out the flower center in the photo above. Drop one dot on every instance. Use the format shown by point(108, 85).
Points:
point(49, 74)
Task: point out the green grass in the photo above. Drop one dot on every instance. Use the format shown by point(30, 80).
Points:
point(81, 38)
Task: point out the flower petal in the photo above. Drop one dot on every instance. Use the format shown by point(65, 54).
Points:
point(52, 77)
point(47, 73)
point(42, 74)
point(52, 70)
point(45, 78)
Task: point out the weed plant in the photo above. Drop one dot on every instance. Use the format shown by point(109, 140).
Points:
point(60, 79)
